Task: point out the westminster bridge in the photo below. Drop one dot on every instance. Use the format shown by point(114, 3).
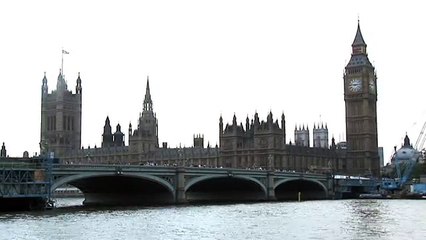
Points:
point(135, 184)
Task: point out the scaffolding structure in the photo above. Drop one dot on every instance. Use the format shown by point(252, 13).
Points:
point(25, 179)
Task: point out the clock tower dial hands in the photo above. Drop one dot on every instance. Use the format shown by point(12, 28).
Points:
point(371, 85)
point(355, 85)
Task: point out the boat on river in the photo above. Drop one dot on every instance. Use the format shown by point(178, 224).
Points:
point(372, 196)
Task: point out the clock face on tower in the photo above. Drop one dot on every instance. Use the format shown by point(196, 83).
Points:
point(355, 85)
point(371, 85)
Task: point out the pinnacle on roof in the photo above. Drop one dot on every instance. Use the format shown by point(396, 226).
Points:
point(148, 93)
point(61, 84)
point(78, 78)
point(147, 103)
point(407, 141)
point(44, 85)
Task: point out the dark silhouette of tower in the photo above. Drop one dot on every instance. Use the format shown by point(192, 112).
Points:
point(361, 114)
point(107, 137)
point(118, 137)
point(3, 151)
point(60, 117)
point(145, 137)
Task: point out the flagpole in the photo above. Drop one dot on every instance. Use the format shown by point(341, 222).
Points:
point(62, 66)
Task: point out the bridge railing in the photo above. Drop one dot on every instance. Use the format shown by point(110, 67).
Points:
point(133, 168)
point(19, 165)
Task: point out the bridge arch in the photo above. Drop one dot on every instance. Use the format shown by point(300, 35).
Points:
point(288, 189)
point(225, 188)
point(131, 193)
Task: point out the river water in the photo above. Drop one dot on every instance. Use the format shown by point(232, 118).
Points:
point(342, 219)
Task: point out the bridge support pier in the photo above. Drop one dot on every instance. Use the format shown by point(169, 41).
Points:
point(180, 185)
point(270, 186)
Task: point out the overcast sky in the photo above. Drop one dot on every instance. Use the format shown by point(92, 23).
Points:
point(209, 58)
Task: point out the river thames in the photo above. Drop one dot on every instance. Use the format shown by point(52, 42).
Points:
point(344, 219)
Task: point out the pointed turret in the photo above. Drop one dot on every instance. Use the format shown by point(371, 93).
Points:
point(269, 118)
point(283, 127)
point(407, 141)
point(147, 103)
point(359, 40)
point(3, 151)
point(220, 130)
point(359, 51)
point(44, 88)
point(247, 124)
point(107, 138)
point(118, 137)
point(256, 119)
point(333, 143)
point(78, 88)
point(61, 85)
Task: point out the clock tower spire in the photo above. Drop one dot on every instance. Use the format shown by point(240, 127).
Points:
point(361, 113)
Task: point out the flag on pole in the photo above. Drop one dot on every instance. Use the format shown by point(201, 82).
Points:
point(65, 52)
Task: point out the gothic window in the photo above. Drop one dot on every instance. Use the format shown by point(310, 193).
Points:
point(69, 123)
point(52, 123)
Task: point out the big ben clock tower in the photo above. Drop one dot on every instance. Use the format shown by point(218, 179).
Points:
point(361, 114)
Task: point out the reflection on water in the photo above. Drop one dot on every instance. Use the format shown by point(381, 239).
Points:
point(367, 218)
point(347, 219)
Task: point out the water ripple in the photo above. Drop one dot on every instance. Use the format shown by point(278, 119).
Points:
point(348, 219)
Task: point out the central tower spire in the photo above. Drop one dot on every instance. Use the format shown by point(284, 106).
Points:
point(147, 103)
point(145, 137)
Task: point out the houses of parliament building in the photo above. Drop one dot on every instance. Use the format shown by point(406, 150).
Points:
point(258, 143)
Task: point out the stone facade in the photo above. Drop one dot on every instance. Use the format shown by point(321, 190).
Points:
point(262, 145)
point(301, 136)
point(320, 136)
point(60, 117)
